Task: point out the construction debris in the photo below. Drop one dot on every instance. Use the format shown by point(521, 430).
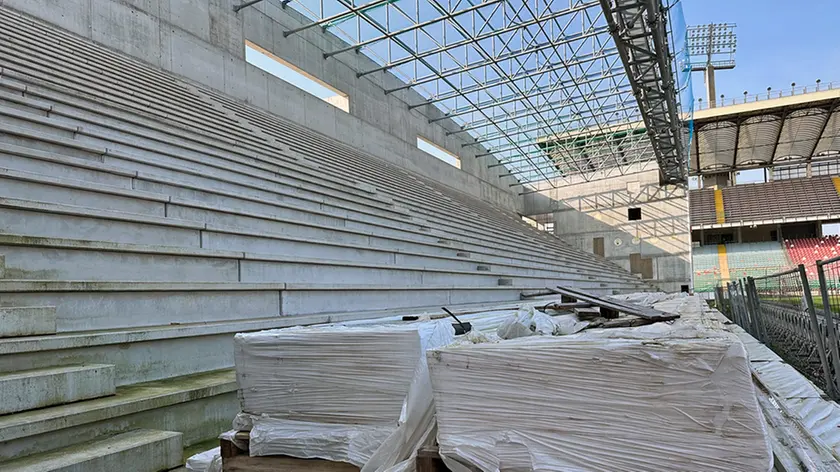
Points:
point(615, 306)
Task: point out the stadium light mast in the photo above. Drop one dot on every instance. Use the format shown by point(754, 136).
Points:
point(711, 47)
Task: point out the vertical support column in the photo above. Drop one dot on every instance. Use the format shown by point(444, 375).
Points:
point(709, 75)
point(828, 318)
point(817, 332)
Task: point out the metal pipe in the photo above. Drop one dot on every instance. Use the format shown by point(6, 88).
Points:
point(247, 4)
point(330, 18)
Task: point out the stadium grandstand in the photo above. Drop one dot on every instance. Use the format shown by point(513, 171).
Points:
point(175, 173)
point(776, 223)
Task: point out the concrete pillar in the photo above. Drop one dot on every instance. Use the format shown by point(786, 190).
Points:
point(740, 238)
point(710, 85)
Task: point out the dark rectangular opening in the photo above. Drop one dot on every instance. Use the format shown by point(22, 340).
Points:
point(598, 246)
point(634, 214)
point(684, 288)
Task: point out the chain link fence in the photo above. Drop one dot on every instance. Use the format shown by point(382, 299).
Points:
point(793, 314)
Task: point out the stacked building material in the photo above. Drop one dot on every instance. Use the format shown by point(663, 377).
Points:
point(357, 394)
point(656, 398)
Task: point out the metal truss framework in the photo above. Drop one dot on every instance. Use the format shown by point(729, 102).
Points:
point(541, 85)
point(640, 33)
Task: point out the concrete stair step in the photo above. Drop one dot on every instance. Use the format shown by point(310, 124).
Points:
point(39, 388)
point(198, 405)
point(141, 450)
point(27, 321)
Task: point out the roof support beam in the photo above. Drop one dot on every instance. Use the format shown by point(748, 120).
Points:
point(638, 29)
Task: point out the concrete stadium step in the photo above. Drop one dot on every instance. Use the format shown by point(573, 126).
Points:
point(26, 185)
point(90, 305)
point(185, 107)
point(95, 305)
point(178, 89)
point(38, 388)
point(134, 451)
point(198, 406)
point(35, 187)
point(18, 321)
point(35, 258)
point(58, 264)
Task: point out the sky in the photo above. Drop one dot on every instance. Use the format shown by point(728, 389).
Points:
point(779, 42)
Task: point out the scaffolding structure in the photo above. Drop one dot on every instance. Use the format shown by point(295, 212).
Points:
point(549, 88)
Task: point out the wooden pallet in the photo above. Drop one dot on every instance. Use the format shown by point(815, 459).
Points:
point(235, 459)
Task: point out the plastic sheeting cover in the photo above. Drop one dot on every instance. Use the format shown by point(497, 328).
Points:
point(207, 461)
point(597, 401)
point(357, 394)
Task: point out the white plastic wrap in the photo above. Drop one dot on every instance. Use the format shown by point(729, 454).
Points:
point(654, 399)
point(357, 394)
point(207, 461)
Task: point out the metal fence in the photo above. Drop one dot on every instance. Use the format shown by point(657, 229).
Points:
point(796, 316)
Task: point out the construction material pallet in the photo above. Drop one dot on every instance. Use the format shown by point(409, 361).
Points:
point(428, 460)
point(236, 459)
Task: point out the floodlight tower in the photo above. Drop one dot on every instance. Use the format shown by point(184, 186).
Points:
point(711, 47)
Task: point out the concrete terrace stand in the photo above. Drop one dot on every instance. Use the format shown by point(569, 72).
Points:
point(146, 218)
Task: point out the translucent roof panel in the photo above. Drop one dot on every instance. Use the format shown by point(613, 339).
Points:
point(513, 75)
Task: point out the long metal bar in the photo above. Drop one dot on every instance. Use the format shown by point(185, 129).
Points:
point(322, 21)
point(242, 5)
point(480, 37)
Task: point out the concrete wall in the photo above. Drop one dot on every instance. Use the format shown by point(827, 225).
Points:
point(204, 40)
point(598, 209)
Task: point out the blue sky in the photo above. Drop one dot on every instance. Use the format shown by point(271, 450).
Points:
point(779, 42)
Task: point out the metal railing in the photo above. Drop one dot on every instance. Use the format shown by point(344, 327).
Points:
point(795, 317)
point(769, 94)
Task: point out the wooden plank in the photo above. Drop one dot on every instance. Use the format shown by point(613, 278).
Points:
point(235, 459)
point(588, 313)
point(642, 311)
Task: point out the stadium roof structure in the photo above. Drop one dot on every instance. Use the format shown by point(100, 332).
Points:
point(542, 85)
point(768, 130)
